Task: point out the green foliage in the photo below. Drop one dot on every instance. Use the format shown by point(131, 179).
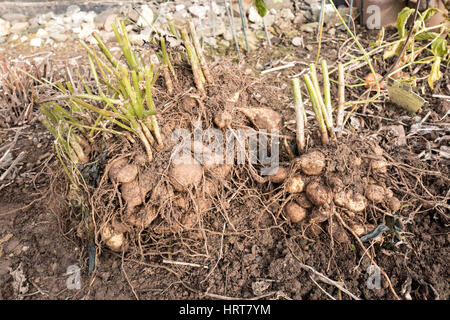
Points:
point(261, 7)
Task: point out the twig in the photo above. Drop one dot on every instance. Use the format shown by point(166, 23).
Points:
point(322, 277)
point(321, 289)
point(19, 158)
point(289, 65)
point(195, 265)
point(341, 100)
point(233, 30)
point(244, 26)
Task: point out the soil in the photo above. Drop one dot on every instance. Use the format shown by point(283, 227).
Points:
point(245, 247)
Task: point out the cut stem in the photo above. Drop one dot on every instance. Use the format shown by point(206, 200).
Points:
point(341, 100)
point(299, 114)
point(198, 49)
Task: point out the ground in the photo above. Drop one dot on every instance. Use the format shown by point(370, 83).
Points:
point(265, 255)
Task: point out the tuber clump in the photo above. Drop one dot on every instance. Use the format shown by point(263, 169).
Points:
point(263, 118)
point(294, 212)
point(317, 193)
point(185, 175)
point(295, 184)
point(312, 163)
point(375, 193)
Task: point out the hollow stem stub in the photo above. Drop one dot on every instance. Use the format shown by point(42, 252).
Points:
point(299, 114)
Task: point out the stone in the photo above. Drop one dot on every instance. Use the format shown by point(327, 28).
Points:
point(299, 18)
point(309, 27)
point(36, 42)
point(180, 7)
point(5, 27)
point(146, 16)
point(60, 37)
point(72, 9)
point(332, 32)
point(110, 20)
point(19, 27)
point(210, 41)
point(100, 19)
point(15, 17)
point(297, 41)
point(41, 33)
point(253, 15)
point(198, 11)
point(2, 40)
point(137, 38)
point(278, 4)
point(287, 14)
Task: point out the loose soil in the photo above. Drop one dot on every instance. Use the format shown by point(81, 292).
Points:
point(244, 247)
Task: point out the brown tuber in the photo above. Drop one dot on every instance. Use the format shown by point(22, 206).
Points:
point(113, 239)
point(375, 193)
point(121, 171)
point(317, 193)
point(379, 166)
point(394, 204)
point(312, 163)
point(303, 201)
point(319, 215)
point(131, 193)
point(353, 201)
point(294, 184)
point(263, 118)
point(279, 175)
point(223, 119)
point(294, 212)
point(185, 175)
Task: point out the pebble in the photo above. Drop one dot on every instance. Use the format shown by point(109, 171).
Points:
point(60, 37)
point(145, 17)
point(253, 15)
point(19, 27)
point(72, 9)
point(198, 11)
point(4, 27)
point(36, 42)
point(297, 41)
point(309, 27)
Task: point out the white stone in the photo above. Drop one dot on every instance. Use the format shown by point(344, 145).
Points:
point(72, 9)
point(179, 7)
point(287, 14)
point(146, 16)
point(41, 33)
point(254, 16)
point(4, 27)
point(19, 27)
point(199, 11)
point(297, 41)
point(23, 38)
point(36, 42)
point(60, 37)
point(110, 20)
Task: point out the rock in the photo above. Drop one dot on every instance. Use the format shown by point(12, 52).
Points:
point(309, 47)
point(4, 27)
point(72, 9)
point(299, 19)
point(145, 17)
point(287, 14)
point(210, 41)
point(253, 15)
point(41, 33)
point(137, 39)
point(228, 35)
point(60, 37)
point(100, 19)
point(15, 17)
point(309, 27)
point(179, 7)
point(269, 19)
point(198, 11)
point(297, 41)
point(109, 21)
point(23, 39)
point(278, 4)
point(36, 42)
point(2, 40)
point(332, 32)
point(19, 27)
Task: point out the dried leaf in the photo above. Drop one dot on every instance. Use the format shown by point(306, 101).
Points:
point(435, 73)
